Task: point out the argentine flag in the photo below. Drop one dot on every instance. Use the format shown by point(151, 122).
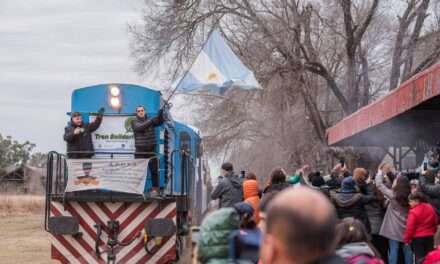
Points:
point(216, 69)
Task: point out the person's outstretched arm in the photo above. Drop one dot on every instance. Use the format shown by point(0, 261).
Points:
point(388, 193)
point(97, 122)
point(159, 119)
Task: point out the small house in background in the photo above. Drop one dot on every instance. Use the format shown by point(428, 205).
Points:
point(22, 179)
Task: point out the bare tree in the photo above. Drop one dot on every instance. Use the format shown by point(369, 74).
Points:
point(410, 28)
point(317, 61)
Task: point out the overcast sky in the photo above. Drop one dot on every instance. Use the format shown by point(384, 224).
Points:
point(50, 47)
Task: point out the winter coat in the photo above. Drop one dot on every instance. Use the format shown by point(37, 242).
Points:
point(333, 183)
point(216, 228)
point(144, 133)
point(316, 179)
point(355, 249)
point(433, 257)
point(374, 210)
point(358, 252)
point(433, 193)
point(422, 222)
point(375, 215)
point(229, 190)
point(250, 195)
point(274, 188)
point(81, 142)
point(351, 204)
point(394, 221)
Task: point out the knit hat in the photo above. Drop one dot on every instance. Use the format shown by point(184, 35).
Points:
point(348, 185)
point(227, 166)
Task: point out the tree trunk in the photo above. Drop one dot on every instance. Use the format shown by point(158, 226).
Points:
point(412, 43)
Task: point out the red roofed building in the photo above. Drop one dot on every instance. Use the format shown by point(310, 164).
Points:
point(408, 116)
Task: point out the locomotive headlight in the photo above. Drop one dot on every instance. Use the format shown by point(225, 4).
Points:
point(114, 90)
point(115, 102)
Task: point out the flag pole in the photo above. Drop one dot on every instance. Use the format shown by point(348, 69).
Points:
point(187, 71)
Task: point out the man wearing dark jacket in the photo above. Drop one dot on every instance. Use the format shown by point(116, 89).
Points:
point(79, 136)
point(430, 189)
point(230, 189)
point(349, 202)
point(145, 139)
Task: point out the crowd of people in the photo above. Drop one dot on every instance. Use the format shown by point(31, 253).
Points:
point(344, 217)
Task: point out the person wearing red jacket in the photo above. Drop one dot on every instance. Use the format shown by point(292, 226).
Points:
point(421, 226)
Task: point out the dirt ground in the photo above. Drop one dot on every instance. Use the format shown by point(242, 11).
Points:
point(23, 240)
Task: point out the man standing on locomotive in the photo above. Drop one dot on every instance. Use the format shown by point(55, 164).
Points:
point(79, 136)
point(145, 139)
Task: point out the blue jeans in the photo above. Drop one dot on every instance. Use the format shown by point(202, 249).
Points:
point(394, 252)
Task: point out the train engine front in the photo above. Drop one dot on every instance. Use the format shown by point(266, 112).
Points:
point(113, 204)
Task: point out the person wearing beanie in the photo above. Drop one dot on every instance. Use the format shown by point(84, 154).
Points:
point(250, 194)
point(349, 202)
point(229, 190)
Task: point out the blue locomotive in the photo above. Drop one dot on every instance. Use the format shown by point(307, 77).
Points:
point(99, 224)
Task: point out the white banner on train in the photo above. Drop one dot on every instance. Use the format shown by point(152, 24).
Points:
point(114, 135)
point(119, 175)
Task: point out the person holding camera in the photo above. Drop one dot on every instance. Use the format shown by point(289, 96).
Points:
point(79, 136)
point(394, 222)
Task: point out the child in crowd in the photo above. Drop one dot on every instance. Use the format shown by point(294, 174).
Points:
point(354, 243)
point(421, 226)
point(245, 242)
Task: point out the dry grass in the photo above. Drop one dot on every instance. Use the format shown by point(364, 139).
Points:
point(23, 240)
point(13, 204)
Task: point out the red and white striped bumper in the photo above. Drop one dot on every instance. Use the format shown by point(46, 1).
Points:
point(131, 217)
